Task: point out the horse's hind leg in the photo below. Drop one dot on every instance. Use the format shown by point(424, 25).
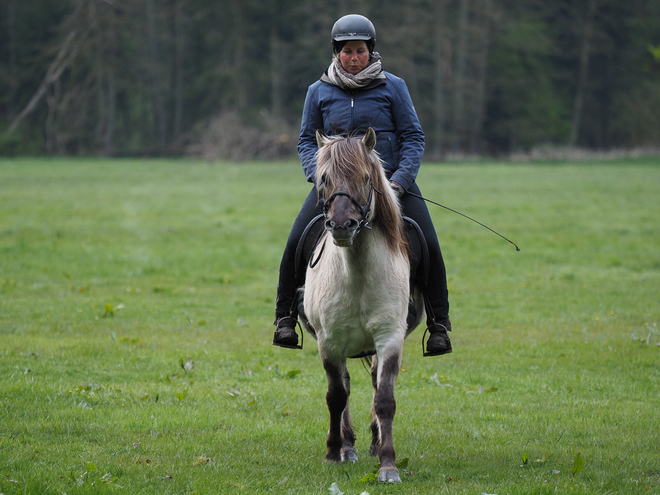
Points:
point(384, 408)
point(340, 434)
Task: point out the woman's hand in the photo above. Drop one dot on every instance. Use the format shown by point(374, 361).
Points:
point(398, 190)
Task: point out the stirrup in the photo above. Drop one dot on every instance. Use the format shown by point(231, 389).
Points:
point(441, 353)
point(290, 346)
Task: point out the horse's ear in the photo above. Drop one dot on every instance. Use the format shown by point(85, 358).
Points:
point(369, 140)
point(321, 140)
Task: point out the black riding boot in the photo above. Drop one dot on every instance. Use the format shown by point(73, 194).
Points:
point(438, 342)
point(285, 334)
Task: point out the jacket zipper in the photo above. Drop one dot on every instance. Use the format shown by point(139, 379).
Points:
point(352, 111)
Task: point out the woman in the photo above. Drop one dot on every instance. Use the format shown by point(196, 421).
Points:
point(352, 95)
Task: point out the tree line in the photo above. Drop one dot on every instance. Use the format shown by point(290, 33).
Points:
point(227, 79)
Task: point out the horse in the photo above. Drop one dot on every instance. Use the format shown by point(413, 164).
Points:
point(357, 292)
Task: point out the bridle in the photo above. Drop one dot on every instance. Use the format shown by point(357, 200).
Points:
point(365, 211)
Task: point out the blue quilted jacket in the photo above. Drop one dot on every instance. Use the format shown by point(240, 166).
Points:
point(384, 105)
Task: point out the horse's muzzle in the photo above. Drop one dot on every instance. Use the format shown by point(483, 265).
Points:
point(342, 234)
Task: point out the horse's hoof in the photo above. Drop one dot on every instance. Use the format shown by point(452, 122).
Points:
point(348, 455)
point(389, 476)
point(334, 458)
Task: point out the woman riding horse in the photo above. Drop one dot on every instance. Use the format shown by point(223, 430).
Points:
point(353, 94)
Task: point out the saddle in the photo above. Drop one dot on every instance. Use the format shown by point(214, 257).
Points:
point(418, 256)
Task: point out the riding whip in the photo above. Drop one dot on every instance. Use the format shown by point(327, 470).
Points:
point(464, 215)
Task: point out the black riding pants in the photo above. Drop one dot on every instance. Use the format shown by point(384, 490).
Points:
point(412, 207)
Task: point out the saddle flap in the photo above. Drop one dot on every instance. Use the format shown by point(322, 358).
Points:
point(306, 245)
point(419, 253)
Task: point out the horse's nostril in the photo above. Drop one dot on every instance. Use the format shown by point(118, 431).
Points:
point(351, 224)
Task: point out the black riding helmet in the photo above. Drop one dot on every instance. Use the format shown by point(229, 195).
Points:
point(353, 27)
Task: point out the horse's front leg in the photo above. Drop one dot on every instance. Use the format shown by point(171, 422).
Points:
point(384, 375)
point(375, 431)
point(348, 445)
point(340, 438)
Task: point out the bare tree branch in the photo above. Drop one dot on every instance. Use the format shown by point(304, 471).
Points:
point(62, 60)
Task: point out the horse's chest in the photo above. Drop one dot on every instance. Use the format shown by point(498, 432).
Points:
point(352, 293)
point(352, 306)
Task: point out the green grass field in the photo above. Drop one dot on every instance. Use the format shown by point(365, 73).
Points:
point(114, 274)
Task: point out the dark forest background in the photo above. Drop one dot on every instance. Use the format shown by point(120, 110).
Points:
point(227, 79)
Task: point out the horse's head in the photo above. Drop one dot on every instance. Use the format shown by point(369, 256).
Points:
point(351, 181)
point(344, 182)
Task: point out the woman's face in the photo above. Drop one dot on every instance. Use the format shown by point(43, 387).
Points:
point(354, 56)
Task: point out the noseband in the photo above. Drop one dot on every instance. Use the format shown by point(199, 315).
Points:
point(365, 211)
